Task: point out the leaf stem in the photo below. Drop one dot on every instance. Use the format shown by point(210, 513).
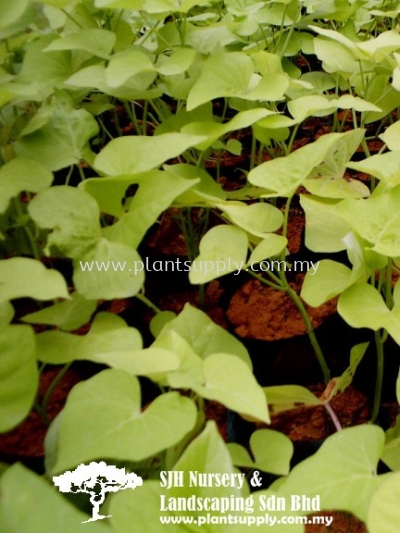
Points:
point(292, 138)
point(288, 36)
point(333, 416)
point(379, 375)
point(310, 332)
point(389, 295)
point(72, 18)
point(144, 119)
point(140, 296)
point(132, 115)
point(253, 152)
point(265, 281)
point(281, 29)
point(286, 220)
point(27, 231)
point(50, 390)
point(81, 172)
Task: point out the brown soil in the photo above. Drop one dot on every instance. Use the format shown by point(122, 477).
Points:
point(260, 312)
point(343, 522)
point(166, 237)
point(217, 412)
point(295, 230)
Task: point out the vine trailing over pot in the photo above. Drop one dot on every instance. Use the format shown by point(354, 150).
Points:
point(110, 112)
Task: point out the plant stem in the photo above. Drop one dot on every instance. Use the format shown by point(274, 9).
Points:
point(253, 152)
point(362, 78)
point(27, 231)
point(292, 138)
point(218, 166)
point(310, 332)
point(388, 292)
point(379, 375)
point(286, 220)
point(289, 35)
point(281, 29)
point(72, 18)
point(260, 154)
point(50, 390)
point(343, 122)
point(71, 169)
point(151, 30)
point(265, 281)
point(144, 119)
point(116, 122)
point(147, 302)
point(333, 416)
point(81, 172)
point(132, 115)
point(118, 20)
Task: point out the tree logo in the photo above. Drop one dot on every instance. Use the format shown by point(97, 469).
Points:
point(97, 479)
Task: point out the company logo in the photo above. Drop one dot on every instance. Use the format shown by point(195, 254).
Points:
point(96, 479)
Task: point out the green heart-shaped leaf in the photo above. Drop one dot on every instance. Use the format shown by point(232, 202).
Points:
point(223, 250)
point(103, 418)
point(342, 472)
point(19, 377)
